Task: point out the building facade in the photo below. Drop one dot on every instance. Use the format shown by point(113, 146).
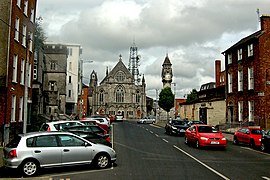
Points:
point(54, 86)
point(17, 26)
point(248, 62)
point(74, 78)
point(118, 93)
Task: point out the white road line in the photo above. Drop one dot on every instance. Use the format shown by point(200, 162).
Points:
point(267, 178)
point(151, 132)
point(157, 135)
point(146, 129)
point(208, 167)
point(165, 140)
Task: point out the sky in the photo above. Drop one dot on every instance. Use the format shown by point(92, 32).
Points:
point(192, 33)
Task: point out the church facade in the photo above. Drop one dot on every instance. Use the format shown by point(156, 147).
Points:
point(117, 93)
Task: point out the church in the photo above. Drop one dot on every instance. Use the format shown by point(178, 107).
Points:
point(119, 93)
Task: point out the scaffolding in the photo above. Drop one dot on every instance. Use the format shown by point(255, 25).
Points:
point(134, 63)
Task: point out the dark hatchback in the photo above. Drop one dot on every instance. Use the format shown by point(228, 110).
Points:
point(93, 133)
point(176, 127)
point(265, 141)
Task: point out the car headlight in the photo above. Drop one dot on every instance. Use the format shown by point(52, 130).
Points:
point(174, 128)
point(223, 139)
point(204, 138)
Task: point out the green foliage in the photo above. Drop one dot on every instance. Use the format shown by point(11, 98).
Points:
point(166, 99)
point(39, 34)
point(193, 96)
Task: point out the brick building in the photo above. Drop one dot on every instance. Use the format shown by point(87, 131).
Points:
point(17, 24)
point(247, 65)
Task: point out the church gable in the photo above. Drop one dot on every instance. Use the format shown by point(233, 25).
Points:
point(118, 74)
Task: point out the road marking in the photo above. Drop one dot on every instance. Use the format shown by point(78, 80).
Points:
point(165, 140)
point(157, 135)
point(267, 178)
point(156, 126)
point(205, 165)
point(151, 132)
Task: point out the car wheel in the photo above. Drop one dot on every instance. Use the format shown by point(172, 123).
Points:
point(252, 143)
point(235, 141)
point(144, 122)
point(30, 168)
point(102, 161)
point(186, 140)
point(197, 144)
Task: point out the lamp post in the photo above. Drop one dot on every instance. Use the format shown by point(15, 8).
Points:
point(174, 102)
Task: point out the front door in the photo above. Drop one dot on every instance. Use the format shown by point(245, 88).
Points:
point(203, 115)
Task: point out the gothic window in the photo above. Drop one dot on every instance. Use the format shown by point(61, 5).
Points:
point(138, 97)
point(53, 65)
point(52, 86)
point(120, 76)
point(119, 94)
point(101, 96)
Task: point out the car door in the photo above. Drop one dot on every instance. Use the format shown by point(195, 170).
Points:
point(45, 149)
point(74, 151)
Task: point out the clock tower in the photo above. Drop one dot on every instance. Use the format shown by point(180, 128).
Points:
point(166, 72)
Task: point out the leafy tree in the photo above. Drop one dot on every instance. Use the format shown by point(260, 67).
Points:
point(39, 34)
point(193, 96)
point(166, 99)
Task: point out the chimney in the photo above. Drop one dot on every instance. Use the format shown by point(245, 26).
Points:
point(265, 22)
point(218, 69)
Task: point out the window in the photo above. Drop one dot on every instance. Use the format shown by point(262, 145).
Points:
point(21, 109)
point(25, 7)
point(240, 111)
point(43, 141)
point(19, 3)
point(69, 79)
point(69, 93)
point(230, 58)
point(101, 96)
point(229, 83)
point(15, 63)
point(69, 51)
point(52, 86)
point(67, 140)
point(17, 29)
point(32, 15)
point(120, 76)
point(24, 36)
point(119, 94)
point(250, 50)
point(22, 72)
point(31, 42)
point(250, 78)
point(240, 80)
point(239, 54)
point(138, 97)
point(35, 72)
point(13, 108)
point(53, 65)
point(250, 110)
point(70, 66)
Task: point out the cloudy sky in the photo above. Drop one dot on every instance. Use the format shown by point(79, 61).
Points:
point(194, 33)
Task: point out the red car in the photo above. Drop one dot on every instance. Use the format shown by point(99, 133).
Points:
point(91, 121)
point(202, 135)
point(248, 135)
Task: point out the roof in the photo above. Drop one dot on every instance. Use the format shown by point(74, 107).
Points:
point(167, 61)
point(246, 39)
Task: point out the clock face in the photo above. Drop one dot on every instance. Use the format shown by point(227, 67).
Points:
point(167, 76)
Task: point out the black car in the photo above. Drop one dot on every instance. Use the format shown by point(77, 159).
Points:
point(93, 133)
point(176, 127)
point(265, 141)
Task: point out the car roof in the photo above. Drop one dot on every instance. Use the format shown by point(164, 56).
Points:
point(59, 122)
point(43, 133)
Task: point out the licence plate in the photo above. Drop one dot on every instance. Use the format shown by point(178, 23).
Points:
point(214, 142)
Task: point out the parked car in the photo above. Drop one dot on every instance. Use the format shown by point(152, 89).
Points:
point(146, 120)
point(205, 135)
point(190, 123)
point(102, 122)
point(248, 135)
point(176, 127)
point(30, 152)
point(265, 142)
point(102, 116)
point(58, 125)
point(93, 133)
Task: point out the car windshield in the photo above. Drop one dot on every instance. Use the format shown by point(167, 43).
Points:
point(178, 122)
point(206, 129)
point(256, 131)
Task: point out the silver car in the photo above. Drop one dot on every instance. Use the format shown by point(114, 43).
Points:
point(146, 120)
point(32, 151)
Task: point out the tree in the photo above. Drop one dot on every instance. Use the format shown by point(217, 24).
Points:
point(39, 35)
point(166, 99)
point(193, 96)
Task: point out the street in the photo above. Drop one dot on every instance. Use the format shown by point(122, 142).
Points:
point(145, 152)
